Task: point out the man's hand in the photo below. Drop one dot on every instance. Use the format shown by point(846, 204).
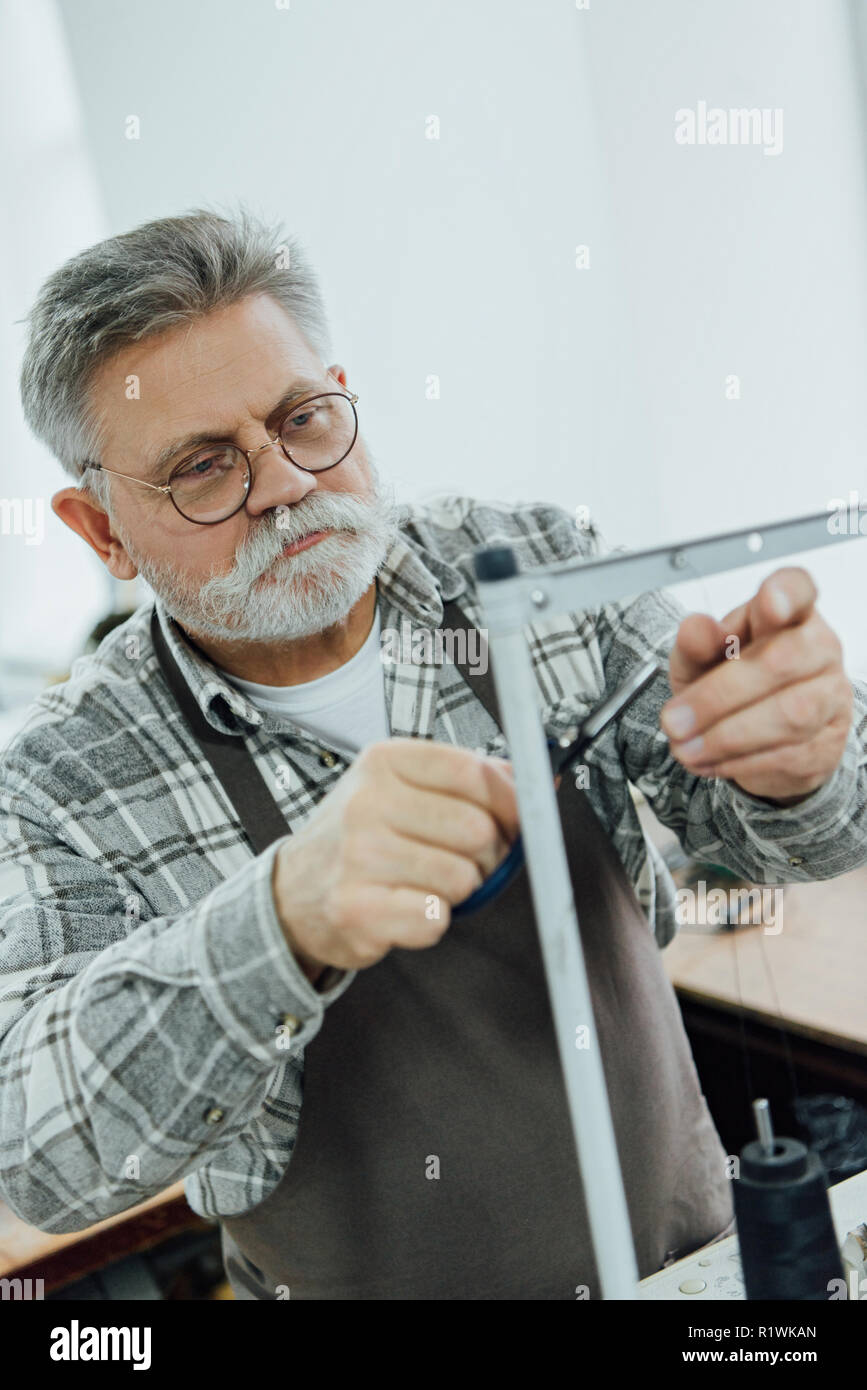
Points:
point(761, 697)
point(411, 828)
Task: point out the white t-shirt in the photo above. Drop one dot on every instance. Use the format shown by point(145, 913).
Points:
point(346, 708)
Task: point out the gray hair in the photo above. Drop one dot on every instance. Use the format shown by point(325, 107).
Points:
point(137, 285)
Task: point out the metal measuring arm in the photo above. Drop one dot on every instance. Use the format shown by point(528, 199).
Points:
point(510, 600)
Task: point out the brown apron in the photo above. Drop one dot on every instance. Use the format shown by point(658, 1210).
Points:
point(435, 1158)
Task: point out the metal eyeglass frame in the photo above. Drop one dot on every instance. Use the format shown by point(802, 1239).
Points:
point(166, 487)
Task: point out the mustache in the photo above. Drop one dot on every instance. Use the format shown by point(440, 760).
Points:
point(264, 545)
point(310, 590)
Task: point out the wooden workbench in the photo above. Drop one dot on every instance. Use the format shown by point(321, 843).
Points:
point(61, 1259)
point(771, 1012)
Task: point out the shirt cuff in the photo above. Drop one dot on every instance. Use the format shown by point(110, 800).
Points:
point(248, 975)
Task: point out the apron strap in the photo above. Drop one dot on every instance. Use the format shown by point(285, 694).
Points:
point(481, 685)
point(235, 768)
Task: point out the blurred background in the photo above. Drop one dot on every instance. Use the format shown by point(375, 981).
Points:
point(536, 290)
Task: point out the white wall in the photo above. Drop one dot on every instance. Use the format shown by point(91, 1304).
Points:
point(734, 261)
point(52, 588)
point(456, 256)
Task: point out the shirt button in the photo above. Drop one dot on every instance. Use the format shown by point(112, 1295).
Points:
point(291, 1024)
point(795, 860)
point(327, 759)
point(214, 1115)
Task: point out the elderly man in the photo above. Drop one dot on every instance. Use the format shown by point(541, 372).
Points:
point(232, 839)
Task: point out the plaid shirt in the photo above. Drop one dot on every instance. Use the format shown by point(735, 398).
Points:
point(152, 1019)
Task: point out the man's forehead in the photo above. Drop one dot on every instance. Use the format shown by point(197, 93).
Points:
point(238, 338)
point(206, 378)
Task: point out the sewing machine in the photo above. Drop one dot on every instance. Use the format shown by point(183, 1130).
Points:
point(713, 1273)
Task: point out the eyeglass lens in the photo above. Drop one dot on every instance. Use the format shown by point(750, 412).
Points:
point(213, 483)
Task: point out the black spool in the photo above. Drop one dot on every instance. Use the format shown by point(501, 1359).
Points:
point(786, 1233)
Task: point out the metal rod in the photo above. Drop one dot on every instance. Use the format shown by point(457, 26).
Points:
point(569, 991)
point(764, 1128)
point(574, 585)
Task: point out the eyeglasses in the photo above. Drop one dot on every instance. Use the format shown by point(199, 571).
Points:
point(213, 484)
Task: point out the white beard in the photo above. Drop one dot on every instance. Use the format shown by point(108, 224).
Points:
point(305, 593)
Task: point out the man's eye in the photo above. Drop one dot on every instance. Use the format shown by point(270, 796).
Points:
point(203, 467)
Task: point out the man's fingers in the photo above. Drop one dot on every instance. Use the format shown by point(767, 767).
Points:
point(791, 715)
point(700, 644)
point(502, 798)
point(792, 655)
point(459, 773)
point(784, 598)
point(776, 767)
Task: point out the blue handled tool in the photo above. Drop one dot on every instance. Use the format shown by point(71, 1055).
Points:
point(563, 753)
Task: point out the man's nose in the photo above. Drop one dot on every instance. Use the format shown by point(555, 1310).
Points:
point(275, 479)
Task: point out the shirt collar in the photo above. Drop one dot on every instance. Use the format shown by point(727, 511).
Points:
point(413, 579)
point(416, 579)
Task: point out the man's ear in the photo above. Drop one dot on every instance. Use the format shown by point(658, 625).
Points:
point(85, 516)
